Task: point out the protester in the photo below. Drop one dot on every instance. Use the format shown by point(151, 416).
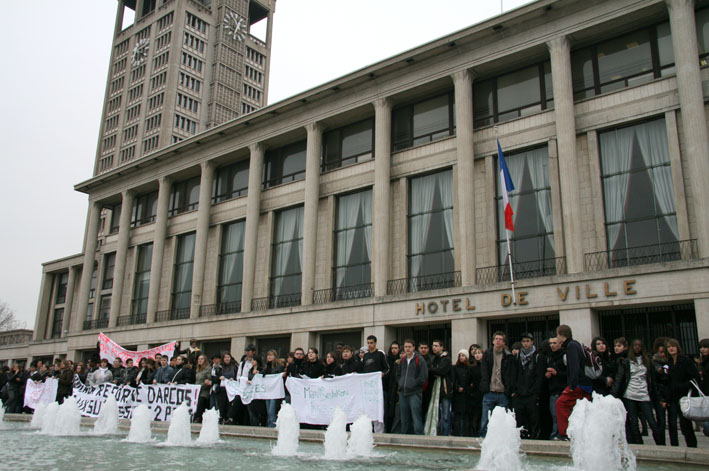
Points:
point(555, 374)
point(128, 374)
point(634, 384)
point(14, 389)
point(681, 372)
point(331, 367)
point(257, 407)
point(295, 368)
point(183, 374)
point(165, 373)
point(526, 387)
point(117, 370)
point(80, 371)
point(272, 367)
point(146, 373)
point(374, 361)
point(101, 375)
point(425, 352)
point(390, 388)
point(350, 363)
point(411, 376)
point(476, 405)
point(578, 385)
point(239, 412)
point(313, 367)
point(215, 372)
point(203, 379)
point(462, 400)
point(441, 374)
point(704, 375)
point(661, 377)
point(497, 375)
point(190, 353)
point(603, 384)
point(65, 382)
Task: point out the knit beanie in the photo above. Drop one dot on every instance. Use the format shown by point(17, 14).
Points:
point(464, 352)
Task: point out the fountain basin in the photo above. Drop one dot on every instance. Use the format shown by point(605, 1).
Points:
point(256, 442)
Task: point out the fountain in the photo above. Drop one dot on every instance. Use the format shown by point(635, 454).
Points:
point(361, 439)
point(180, 433)
point(209, 433)
point(107, 422)
point(49, 418)
point(62, 420)
point(2, 411)
point(336, 436)
point(38, 415)
point(597, 433)
point(140, 425)
point(500, 448)
point(288, 431)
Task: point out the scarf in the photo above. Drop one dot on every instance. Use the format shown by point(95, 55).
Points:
point(526, 355)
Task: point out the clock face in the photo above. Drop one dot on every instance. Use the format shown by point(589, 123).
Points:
point(140, 52)
point(235, 26)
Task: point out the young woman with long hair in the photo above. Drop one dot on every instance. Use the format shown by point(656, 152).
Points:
point(203, 377)
point(681, 372)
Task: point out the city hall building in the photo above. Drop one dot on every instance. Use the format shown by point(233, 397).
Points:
point(372, 204)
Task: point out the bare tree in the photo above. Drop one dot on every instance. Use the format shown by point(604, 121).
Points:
point(7, 318)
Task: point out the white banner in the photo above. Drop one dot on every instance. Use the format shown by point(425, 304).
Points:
point(315, 400)
point(37, 392)
point(162, 399)
point(261, 387)
point(111, 350)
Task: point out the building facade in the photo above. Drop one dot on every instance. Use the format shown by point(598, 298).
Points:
point(371, 204)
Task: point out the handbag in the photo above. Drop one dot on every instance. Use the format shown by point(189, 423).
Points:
point(695, 408)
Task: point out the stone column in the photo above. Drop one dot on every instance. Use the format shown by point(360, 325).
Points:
point(119, 269)
point(90, 245)
point(70, 287)
point(382, 174)
point(465, 332)
point(253, 210)
point(310, 212)
point(583, 322)
point(303, 340)
point(159, 234)
point(701, 312)
point(238, 344)
point(200, 244)
point(465, 198)
point(560, 53)
point(693, 116)
point(45, 294)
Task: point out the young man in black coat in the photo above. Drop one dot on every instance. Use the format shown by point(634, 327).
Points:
point(528, 374)
point(497, 376)
point(578, 385)
point(555, 374)
point(375, 361)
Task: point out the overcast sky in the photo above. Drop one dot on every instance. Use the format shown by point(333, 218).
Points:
point(55, 59)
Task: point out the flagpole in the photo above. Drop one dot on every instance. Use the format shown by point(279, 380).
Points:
point(509, 252)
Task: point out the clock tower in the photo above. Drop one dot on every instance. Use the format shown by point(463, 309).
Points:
point(179, 67)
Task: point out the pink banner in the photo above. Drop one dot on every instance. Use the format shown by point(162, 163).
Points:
point(111, 350)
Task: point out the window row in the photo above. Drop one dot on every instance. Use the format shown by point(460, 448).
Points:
point(137, 73)
point(163, 41)
point(165, 21)
point(153, 122)
point(187, 102)
point(196, 23)
point(186, 124)
point(133, 112)
point(161, 60)
point(158, 81)
point(192, 62)
point(194, 42)
point(135, 93)
point(189, 82)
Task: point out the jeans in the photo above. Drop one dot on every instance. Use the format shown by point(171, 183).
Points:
point(642, 409)
point(410, 406)
point(444, 416)
point(490, 401)
point(271, 406)
point(552, 409)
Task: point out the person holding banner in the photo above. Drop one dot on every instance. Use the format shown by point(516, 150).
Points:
point(272, 367)
point(375, 361)
point(184, 374)
point(165, 373)
point(66, 380)
point(203, 378)
point(313, 367)
point(101, 375)
point(228, 372)
point(350, 363)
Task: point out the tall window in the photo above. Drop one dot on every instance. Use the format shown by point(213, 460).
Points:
point(431, 225)
point(532, 242)
point(423, 122)
point(638, 192)
point(232, 181)
point(182, 284)
point(57, 325)
point(104, 312)
point(109, 264)
point(287, 254)
point(283, 165)
point(94, 282)
point(184, 196)
point(144, 209)
point(353, 242)
point(512, 95)
point(139, 308)
point(231, 267)
point(62, 281)
point(348, 145)
point(115, 218)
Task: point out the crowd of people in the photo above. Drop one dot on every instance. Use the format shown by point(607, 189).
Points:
point(425, 387)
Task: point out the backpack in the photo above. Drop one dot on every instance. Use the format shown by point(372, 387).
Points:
point(594, 367)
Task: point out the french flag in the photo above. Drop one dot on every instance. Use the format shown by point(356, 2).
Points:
point(507, 186)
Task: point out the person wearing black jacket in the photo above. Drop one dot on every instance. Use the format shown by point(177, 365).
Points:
point(184, 374)
point(375, 361)
point(313, 368)
point(578, 385)
point(681, 372)
point(555, 374)
point(350, 362)
point(704, 374)
point(661, 377)
point(441, 367)
point(476, 406)
point(634, 384)
point(462, 389)
point(15, 380)
point(295, 369)
point(128, 374)
point(603, 384)
point(66, 382)
point(331, 367)
point(497, 375)
point(526, 387)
